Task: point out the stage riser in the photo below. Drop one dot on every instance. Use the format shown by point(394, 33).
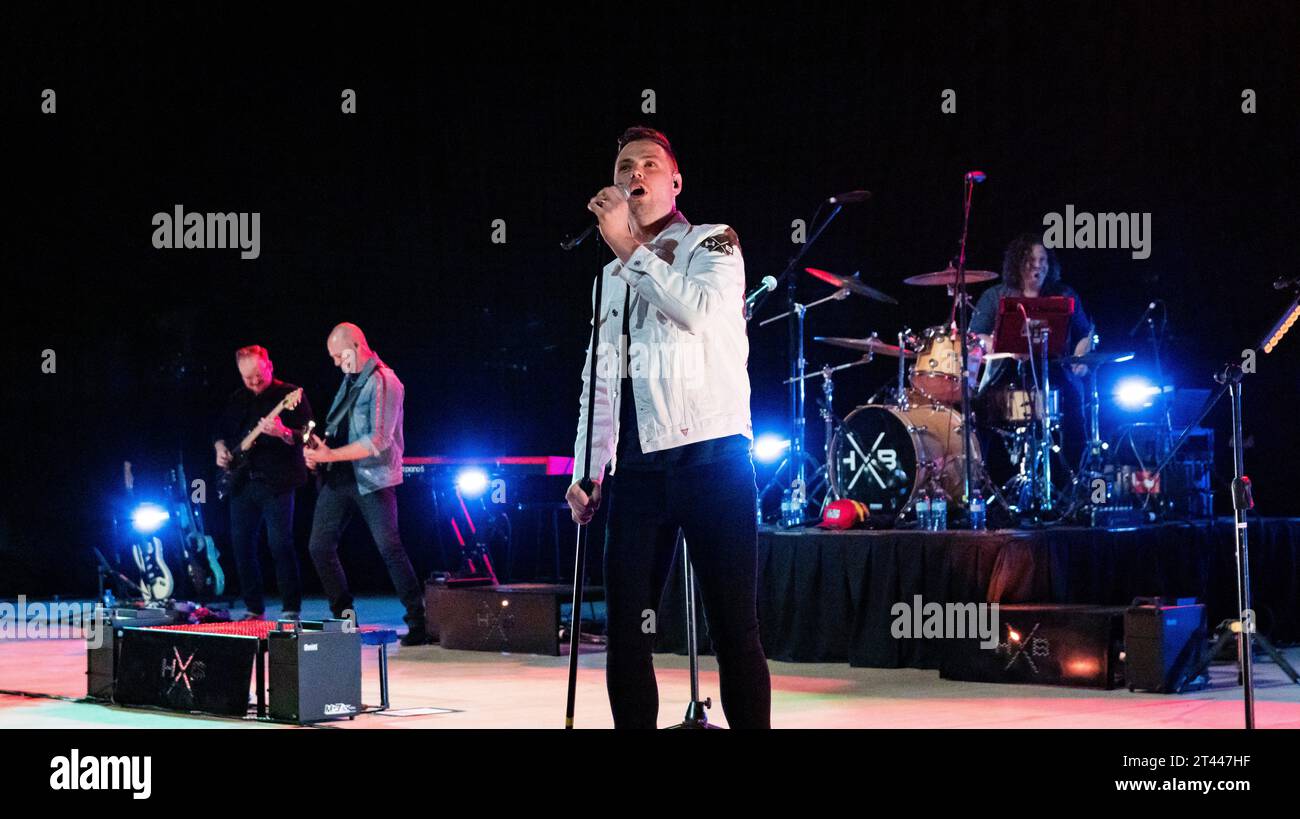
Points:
point(827, 596)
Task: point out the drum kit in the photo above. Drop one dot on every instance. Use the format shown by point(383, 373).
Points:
point(907, 443)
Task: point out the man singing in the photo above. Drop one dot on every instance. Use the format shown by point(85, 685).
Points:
point(265, 492)
point(362, 473)
point(671, 418)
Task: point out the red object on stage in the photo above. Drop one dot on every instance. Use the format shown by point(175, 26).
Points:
point(844, 514)
point(241, 628)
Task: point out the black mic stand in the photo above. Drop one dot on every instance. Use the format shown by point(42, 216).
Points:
point(587, 484)
point(797, 457)
point(695, 713)
point(962, 308)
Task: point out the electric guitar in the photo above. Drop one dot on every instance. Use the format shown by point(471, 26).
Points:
point(311, 440)
point(234, 474)
point(200, 551)
point(154, 579)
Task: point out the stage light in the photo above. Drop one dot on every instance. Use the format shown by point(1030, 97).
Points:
point(1280, 329)
point(148, 518)
point(769, 446)
point(1135, 393)
point(472, 482)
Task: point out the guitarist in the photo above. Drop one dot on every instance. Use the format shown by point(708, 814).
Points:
point(360, 465)
point(264, 489)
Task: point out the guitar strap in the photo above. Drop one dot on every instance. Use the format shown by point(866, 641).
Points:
point(342, 409)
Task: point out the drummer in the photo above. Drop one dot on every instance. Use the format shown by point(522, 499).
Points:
point(1030, 270)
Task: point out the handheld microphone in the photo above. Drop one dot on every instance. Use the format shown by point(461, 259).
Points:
point(570, 241)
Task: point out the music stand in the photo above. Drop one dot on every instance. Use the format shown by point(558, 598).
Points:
point(1047, 320)
point(1009, 329)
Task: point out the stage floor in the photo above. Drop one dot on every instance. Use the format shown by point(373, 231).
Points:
point(484, 690)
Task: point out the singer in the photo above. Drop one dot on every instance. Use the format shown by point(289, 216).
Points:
point(673, 425)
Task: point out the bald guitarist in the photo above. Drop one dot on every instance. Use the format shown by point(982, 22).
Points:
point(261, 459)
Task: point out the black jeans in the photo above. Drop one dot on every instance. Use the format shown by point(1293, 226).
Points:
point(713, 505)
point(254, 503)
point(334, 507)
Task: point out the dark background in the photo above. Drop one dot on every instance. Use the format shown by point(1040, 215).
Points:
point(385, 218)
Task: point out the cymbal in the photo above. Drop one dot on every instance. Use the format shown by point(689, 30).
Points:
point(1096, 359)
point(949, 276)
point(866, 345)
point(851, 284)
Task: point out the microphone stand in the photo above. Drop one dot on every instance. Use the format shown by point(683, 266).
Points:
point(580, 556)
point(1229, 380)
point(797, 456)
point(962, 330)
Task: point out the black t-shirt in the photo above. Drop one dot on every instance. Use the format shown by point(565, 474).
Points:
point(273, 462)
point(1006, 373)
point(630, 455)
point(340, 474)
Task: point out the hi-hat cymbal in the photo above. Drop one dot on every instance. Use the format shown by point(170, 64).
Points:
point(949, 276)
point(851, 284)
point(866, 345)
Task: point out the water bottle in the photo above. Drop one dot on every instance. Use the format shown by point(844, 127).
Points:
point(939, 512)
point(923, 511)
point(785, 507)
point(977, 512)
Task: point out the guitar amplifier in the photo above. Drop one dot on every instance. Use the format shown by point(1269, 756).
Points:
point(1162, 643)
point(314, 674)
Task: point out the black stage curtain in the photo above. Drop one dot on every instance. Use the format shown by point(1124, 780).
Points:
point(827, 596)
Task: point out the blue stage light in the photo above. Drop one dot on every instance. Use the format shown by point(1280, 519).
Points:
point(148, 518)
point(1135, 393)
point(472, 482)
point(769, 446)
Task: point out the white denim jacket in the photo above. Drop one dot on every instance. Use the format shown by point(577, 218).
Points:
point(688, 348)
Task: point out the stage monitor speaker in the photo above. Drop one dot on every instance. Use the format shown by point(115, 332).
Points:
point(1045, 644)
point(314, 674)
point(102, 654)
point(185, 671)
point(522, 618)
point(1162, 644)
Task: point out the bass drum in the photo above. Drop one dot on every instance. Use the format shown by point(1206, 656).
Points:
point(883, 455)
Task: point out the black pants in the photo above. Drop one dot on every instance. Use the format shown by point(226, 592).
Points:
point(334, 506)
point(713, 505)
point(254, 503)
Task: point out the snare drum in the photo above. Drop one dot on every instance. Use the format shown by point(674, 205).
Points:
point(1014, 407)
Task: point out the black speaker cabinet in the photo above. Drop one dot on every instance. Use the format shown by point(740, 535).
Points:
point(185, 670)
point(522, 618)
point(103, 650)
point(1162, 644)
point(1046, 644)
point(314, 674)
